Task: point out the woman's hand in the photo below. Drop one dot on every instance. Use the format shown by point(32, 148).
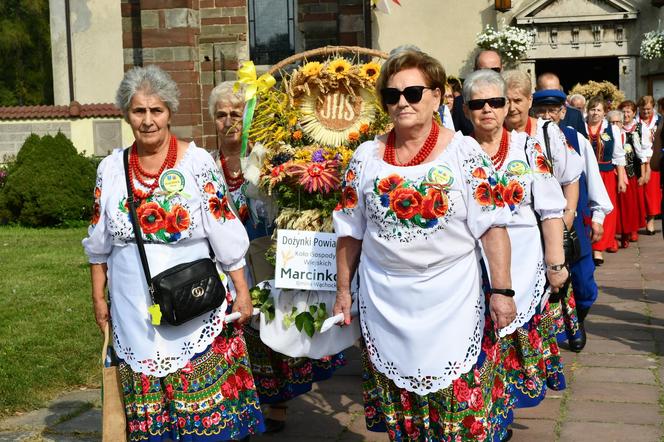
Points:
point(557, 278)
point(101, 312)
point(597, 232)
point(342, 305)
point(502, 309)
point(243, 305)
point(646, 176)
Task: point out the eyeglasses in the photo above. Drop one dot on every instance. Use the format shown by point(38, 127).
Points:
point(234, 116)
point(494, 103)
point(412, 94)
point(540, 111)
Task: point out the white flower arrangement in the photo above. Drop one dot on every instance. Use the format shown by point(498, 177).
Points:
point(511, 42)
point(652, 45)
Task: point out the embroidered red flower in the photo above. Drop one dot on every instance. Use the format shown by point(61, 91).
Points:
point(542, 164)
point(96, 213)
point(513, 193)
point(483, 194)
point(476, 400)
point(243, 212)
point(480, 173)
point(169, 391)
point(389, 183)
point(151, 217)
point(433, 414)
point(177, 220)
point(554, 348)
point(405, 400)
point(350, 175)
point(145, 384)
point(228, 213)
point(571, 302)
point(207, 422)
point(369, 412)
point(535, 339)
point(512, 360)
point(434, 204)
point(209, 188)
point(348, 198)
point(215, 207)
point(498, 389)
point(461, 390)
point(498, 195)
point(405, 203)
point(229, 389)
point(97, 193)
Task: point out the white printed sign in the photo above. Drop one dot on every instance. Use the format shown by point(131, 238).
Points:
point(306, 260)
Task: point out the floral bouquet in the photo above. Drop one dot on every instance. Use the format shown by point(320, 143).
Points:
point(652, 45)
point(305, 133)
point(511, 42)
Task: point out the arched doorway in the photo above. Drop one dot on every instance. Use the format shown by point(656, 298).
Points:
point(580, 70)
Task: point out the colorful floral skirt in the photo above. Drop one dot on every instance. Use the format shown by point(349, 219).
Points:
point(280, 378)
point(460, 412)
point(564, 317)
point(532, 363)
point(212, 398)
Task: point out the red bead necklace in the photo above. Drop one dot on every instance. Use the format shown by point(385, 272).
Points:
point(498, 159)
point(390, 155)
point(596, 141)
point(140, 174)
point(234, 183)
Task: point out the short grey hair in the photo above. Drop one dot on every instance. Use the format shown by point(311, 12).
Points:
point(224, 92)
point(481, 78)
point(515, 79)
point(404, 48)
point(615, 112)
point(151, 80)
point(577, 97)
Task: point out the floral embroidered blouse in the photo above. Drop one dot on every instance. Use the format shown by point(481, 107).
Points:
point(177, 227)
point(420, 298)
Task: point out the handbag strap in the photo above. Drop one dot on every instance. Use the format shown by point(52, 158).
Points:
point(134, 222)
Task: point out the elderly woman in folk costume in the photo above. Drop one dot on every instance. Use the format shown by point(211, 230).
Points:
point(631, 206)
point(606, 141)
point(526, 185)
point(567, 167)
point(278, 378)
point(190, 381)
point(652, 190)
point(415, 205)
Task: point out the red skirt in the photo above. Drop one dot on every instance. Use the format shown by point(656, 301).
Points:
point(631, 213)
point(609, 238)
point(653, 195)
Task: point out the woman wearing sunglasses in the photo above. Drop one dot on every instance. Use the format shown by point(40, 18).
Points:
point(415, 205)
point(523, 182)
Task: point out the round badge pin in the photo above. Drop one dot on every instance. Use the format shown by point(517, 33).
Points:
point(517, 167)
point(441, 175)
point(171, 181)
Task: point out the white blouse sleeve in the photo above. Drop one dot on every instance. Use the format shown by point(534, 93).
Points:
point(447, 118)
point(484, 209)
point(223, 228)
point(599, 201)
point(646, 141)
point(644, 153)
point(98, 243)
point(348, 216)
point(547, 196)
point(567, 164)
point(618, 158)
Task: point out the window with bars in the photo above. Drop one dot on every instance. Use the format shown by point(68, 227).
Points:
point(271, 30)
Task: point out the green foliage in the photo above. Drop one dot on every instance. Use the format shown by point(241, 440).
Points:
point(261, 299)
point(50, 184)
point(49, 341)
point(287, 196)
point(26, 76)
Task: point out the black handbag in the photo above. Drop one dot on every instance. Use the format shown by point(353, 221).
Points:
point(182, 292)
point(571, 241)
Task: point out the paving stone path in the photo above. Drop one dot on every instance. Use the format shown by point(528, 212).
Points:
point(615, 390)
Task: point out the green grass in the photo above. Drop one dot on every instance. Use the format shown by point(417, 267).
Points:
point(49, 341)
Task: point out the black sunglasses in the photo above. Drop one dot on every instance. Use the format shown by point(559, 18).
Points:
point(495, 103)
point(412, 94)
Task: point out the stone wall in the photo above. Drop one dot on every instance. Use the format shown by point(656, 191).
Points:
point(202, 42)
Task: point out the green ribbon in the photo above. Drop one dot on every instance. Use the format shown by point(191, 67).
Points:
point(246, 124)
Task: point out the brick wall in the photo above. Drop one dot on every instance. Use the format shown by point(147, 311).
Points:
point(202, 42)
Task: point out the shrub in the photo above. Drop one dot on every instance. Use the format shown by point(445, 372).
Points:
point(49, 184)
